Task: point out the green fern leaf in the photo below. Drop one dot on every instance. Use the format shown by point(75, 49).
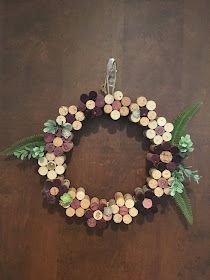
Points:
point(183, 202)
point(182, 120)
point(27, 143)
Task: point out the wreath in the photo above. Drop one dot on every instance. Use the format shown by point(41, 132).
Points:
point(170, 145)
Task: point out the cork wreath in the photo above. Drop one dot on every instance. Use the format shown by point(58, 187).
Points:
point(166, 176)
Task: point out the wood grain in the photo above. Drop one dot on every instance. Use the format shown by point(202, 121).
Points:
point(51, 52)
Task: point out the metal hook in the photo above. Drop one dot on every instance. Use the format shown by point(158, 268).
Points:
point(111, 76)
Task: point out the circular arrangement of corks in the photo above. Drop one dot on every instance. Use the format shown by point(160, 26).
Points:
point(122, 208)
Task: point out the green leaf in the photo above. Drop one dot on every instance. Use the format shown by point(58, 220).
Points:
point(182, 120)
point(183, 202)
point(27, 143)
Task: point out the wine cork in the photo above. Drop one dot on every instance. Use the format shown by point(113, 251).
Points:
point(89, 213)
point(107, 109)
point(152, 124)
point(117, 218)
point(139, 192)
point(63, 110)
point(60, 169)
point(119, 199)
point(141, 101)
point(80, 212)
point(51, 174)
point(129, 201)
point(159, 130)
point(167, 191)
point(98, 215)
point(150, 134)
point(157, 140)
point(156, 148)
point(118, 95)
point(70, 212)
point(152, 183)
point(60, 120)
point(94, 203)
point(127, 219)
point(169, 127)
point(153, 158)
point(85, 202)
point(80, 116)
point(133, 107)
point(144, 121)
point(58, 142)
point(167, 136)
point(147, 203)
point(80, 193)
point(166, 156)
point(72, 192)
point(59, 160)
point(151, 105)
point(48, 157)
point(108, 211)
point(161, 121)
point(158, 192)
point(75, 203)
point(126, 101)
point(54, 191)
point(42, 170)
point(115, 208)
point(116, 105)
point(90, 104)
point(111, 202)
point(77, 125)
point(115, 115)
point(109, 99)
point(72, 109)
point(91, 222)
point(134, 119)
point(152, 115)
point(162, 183)
point(124, 111)
point(103, 201)
point(155, 173)
point(166, 174)
point(66, 183)
point(123, 210)
point(133, 212)
point(107, 218)
point(171, 166)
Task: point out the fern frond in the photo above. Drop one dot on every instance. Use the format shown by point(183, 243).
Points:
point(182, 120)
point(24, 144)
point(183, 202)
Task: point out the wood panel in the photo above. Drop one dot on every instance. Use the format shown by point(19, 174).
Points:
point(51, 52)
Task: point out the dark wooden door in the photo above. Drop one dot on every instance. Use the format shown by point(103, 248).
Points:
point(51, 52)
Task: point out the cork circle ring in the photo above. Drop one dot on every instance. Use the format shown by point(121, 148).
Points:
point(58, 139)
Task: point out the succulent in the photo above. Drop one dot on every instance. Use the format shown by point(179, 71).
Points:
point(66, 133)
point(189, 173)
point(136, 113)
point(185, 144)
point(176, 186)
point(50, 126)
point(38, 152)
point(65, 200)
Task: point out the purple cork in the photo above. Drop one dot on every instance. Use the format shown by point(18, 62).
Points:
point(93, 95)
point(162, 182)
point(155, 159)
point(66, 147)
point(100, 101)
point(49, 147)
point(159, 130)
point(70, 118)
point(84, 98)
point(94, 206)
point(89, 213)
point(81, 107)
point(116, 105)
point(160, 166)
point(171, 166)
point(143, 112)
point(174, 150)
point(58, 151)
point(98, 112)
point(166, 146)
point(91, 222)
point(59, 132)
point(75, 203)
point(49, 137)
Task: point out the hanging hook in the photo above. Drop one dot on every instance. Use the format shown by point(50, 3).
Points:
point(111, 76)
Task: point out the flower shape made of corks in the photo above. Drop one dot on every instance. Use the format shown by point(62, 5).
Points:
point(166, 174)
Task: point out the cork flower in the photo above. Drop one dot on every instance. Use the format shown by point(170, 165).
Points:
point(185, 144)
point(53, 190)
point(91, 104)
point(51, 166)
